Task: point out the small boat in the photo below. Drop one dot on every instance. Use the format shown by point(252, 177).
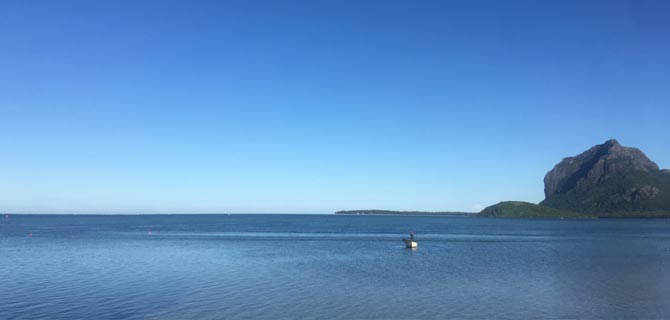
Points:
point(410, 243)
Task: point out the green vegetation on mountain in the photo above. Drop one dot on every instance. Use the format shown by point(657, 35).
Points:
point(609, 180)
point(519, 209)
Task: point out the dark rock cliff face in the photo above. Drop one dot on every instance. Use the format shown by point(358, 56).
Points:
point(608, 179)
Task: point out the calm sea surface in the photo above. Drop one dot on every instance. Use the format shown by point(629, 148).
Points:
point(327, 266)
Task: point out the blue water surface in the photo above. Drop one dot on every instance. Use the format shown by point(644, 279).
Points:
point(328, 266)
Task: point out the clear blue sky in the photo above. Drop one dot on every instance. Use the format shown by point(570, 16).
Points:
point(316, 106)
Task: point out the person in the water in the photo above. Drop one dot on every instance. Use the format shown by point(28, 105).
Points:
point(411, 235)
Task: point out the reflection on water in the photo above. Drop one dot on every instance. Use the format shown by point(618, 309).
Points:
point(342, 267)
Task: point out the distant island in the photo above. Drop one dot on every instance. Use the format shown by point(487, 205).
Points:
point(417, 213)
point(605, 181)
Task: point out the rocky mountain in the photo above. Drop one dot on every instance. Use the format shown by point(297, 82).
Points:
point(609, 180)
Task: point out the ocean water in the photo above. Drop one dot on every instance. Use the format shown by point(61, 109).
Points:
point(331, 267)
